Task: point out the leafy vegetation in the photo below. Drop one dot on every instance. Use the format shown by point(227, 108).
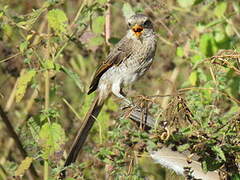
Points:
point(49, 51)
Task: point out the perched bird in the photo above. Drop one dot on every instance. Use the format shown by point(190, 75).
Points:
point(128, 60)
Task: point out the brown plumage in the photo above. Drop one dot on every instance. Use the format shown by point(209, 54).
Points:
point(128, 61)
point(116, 56)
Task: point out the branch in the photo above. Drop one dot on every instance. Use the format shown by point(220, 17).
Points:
point(169, 158)
point(14, 135)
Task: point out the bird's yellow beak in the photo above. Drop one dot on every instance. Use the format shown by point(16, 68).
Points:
point(137, 29)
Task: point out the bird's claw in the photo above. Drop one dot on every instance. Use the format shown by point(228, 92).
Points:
point(127, 104)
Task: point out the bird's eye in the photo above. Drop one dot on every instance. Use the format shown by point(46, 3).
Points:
point(147, 23)
point(129, 24)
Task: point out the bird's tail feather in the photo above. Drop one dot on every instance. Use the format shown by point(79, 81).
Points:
point(81, 137)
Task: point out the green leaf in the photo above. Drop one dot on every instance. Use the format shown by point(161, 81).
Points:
point(186, 130)
point(207, 45)
point(34, 127)
point(48, 64)
point(210, 164)
point(180, 52)
point(102, 1)
point(74, 76)
point(113, 40)
point(23, 46)
point(193, 78)
point(96, 41)
point(98, 25)
point(196, 58)
point(186, 3)
point(57, 21)
point(236, 177)
point(25, 164)
point(219, 152)
point(183, 147)
point(51, 139)
point(32, 17)
point(7, 30)
point(220, 9)
point(220, 36)
point(22, 83)
point(127, 10)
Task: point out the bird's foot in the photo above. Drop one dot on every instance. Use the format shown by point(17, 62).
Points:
point(126, 103)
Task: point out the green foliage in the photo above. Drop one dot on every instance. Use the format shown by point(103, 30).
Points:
point(96, 41)
point(207, 45)
point(219, 152)
point(23, 46)
point(57, 21)
point(25, 164)
point(74, 76)
point(183, 147)
point(102, 1)
point(98, 24)
point(220, 9)
point(34, 127)
point(22, 84)
point(193, 78)
point(180, 52)
point(236, 177)
point(123, 140)
point(52, 138)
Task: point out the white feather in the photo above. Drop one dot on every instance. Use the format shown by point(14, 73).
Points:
point(177, 161)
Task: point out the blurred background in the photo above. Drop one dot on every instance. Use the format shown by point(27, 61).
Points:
point(49, 51)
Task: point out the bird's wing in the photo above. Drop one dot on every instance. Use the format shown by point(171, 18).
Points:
point(118, 54)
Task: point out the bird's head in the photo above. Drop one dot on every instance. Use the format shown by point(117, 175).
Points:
point(140, 25)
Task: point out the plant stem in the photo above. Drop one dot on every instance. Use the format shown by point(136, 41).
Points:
point(46, 90)
point(78, 12)
point(45, 175)
point(108, 23)
point(45, 170)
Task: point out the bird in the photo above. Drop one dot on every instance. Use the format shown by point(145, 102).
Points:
point(131, 57)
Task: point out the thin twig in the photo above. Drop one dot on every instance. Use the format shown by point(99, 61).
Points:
point(10, 57)
point(11, 98)
point(108, 23)
point(72, 109)
point(164, 25)
point(78, 12)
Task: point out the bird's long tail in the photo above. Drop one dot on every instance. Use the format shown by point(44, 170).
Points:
point(81, 137)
